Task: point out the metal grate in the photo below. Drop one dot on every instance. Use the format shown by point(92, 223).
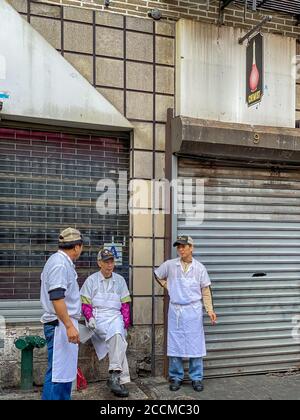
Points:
point(47, 182)
point(285, 6)
point(249, 241)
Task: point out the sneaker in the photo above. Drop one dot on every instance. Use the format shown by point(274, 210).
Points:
point(175, 385)
point(198, 386)
point(116, 388)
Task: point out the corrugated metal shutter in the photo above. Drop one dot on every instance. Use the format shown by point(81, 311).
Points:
point(48, 182)
point(251, 226)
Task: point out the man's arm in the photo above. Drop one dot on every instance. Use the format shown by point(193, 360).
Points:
point(86, 293)
point(161, 274)
point(62, 313)
point(161, 282)
point(125, 311)
point(87, 308)
point(208, 303)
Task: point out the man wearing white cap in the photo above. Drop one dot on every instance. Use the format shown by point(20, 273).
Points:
point(105, 305)
point(188, 284)
point(60, 299)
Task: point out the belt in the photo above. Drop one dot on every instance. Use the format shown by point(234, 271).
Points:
point(53, 323)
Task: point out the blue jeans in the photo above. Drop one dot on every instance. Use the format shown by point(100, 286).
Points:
point(53, 390)
point(176, 370)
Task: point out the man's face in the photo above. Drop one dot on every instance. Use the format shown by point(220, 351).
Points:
point(77, 251)
point(107, 267)
point(185, 251)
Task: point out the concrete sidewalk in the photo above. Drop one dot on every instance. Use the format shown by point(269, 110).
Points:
point(256, 387)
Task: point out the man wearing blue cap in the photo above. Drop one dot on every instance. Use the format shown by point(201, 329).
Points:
point(105, 304)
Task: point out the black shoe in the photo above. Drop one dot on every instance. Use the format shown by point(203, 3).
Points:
point(198, 386)
point(114, 385)
point(122, 392)
point(175, 385)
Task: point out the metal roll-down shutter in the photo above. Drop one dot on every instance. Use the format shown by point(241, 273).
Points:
point(250, 243)
point(49, 182)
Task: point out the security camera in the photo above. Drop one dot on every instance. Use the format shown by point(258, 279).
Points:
point(155, 14)
point(106, 3)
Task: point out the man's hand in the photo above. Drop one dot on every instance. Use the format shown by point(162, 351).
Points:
point(213, 317)
point(73, 334)
point(92, 324)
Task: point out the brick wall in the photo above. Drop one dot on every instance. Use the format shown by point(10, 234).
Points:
point(174, 9)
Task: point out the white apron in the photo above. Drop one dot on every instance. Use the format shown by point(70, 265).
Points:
point(65, 355)
point(185, 321)
point(109, 320)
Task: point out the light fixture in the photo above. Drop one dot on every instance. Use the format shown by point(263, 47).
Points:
point(155, 14)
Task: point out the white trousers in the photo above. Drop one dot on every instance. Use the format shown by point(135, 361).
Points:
point(117, 347)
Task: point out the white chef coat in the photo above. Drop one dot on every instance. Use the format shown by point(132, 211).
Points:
point(185, 318)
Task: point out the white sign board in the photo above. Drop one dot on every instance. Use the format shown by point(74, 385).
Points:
point(117, 250)
point(211, 82)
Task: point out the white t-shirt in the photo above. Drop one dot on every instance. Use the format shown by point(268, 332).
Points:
point(59, 272)
point(184, 288)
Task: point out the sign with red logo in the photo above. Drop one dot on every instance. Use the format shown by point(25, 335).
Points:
point(254, 70)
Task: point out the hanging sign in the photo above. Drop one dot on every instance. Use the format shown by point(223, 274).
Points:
point(254, 70)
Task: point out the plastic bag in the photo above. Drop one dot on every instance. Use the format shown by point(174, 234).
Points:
point(81, 381)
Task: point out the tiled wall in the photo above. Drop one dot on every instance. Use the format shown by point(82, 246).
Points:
point(131, 61)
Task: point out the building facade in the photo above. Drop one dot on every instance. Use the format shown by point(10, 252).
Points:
point(89, 89)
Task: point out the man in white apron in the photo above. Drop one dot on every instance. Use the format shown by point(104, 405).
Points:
point(188, 284)
point(60, 299)
point(105, 304)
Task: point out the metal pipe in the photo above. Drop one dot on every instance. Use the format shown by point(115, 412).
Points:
point(26, 345)
point(27, 369)
point(245, 9)
point(255, 29)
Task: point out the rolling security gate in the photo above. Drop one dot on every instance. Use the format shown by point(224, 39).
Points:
point(47, 183)
point(250, 243)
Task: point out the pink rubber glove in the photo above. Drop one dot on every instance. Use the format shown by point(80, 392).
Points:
point(87, 311)
point(125, 311)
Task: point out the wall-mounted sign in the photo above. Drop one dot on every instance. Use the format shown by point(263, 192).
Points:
point(117, 250)
point(255, 70)
point(4, 95)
